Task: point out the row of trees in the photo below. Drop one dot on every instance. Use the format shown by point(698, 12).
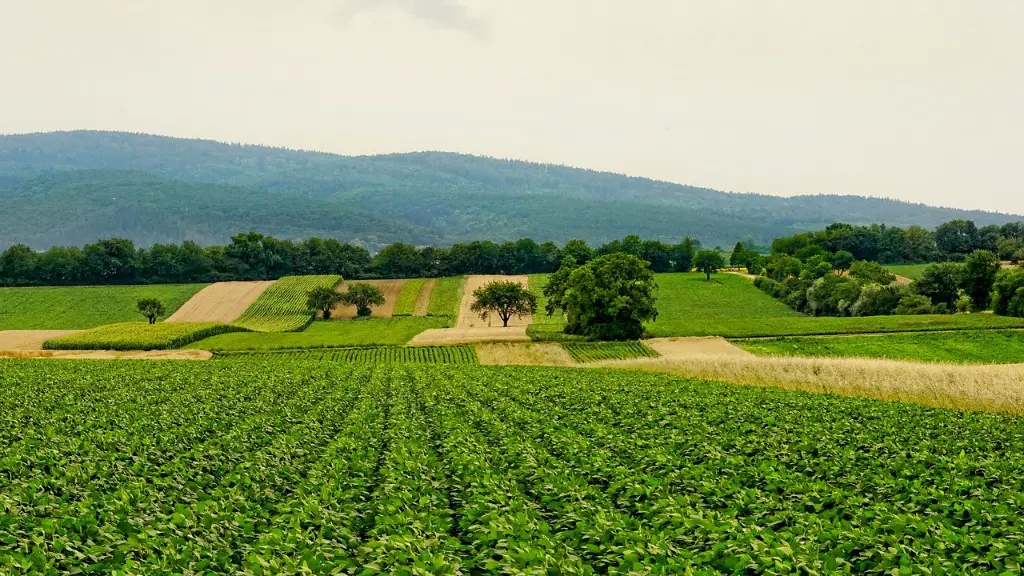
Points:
point(254, 256)
point(951, 241)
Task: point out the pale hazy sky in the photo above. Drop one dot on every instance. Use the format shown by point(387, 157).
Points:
point(921, 100)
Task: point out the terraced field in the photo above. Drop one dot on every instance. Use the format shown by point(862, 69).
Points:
point(289, 466)
point(282, 307)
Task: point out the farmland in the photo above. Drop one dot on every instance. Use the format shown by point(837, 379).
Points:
point(445, 300)
point(596, 351)
point(282, 307)
point(974, 347)
point(406, 304)
point(912, 271)
point(81, 307)
point(140, 336)
point(333, 334)
point(389, 354)
point(280, 465)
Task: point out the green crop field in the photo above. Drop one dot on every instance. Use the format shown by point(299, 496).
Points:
point(81, 307)
point(406, 304)
point(390, 354)
point(140, 336)
point(595, 351)
point(333, 334)
point(971, 347)
point(912, 271)
point(447, 296)
point(282, 308)
point(283, 466)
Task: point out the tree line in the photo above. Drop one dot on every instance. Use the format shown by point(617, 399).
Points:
point(254, 256)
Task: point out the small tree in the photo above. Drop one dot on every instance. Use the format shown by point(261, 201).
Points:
point(506, 299)
point(151, 308)
point(980, 269)
point(322, 300)
point(709, 262)
point(841, 262)
point(362, 296)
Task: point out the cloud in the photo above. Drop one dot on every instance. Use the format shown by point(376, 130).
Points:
point(449, 14)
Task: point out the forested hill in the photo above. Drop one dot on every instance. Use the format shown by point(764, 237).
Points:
point(74, 187)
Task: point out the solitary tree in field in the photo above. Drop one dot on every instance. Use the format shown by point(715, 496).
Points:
point(362, 296)
point(151, 308)
point(608, 298)
point(506, 299)
point(709, 262)
point(322, 300)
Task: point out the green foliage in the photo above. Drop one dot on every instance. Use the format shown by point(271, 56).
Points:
point(912, 271)
point(957, 237)
point(151, 308)
point(913, 304)
point(941, 282)
point(708, 262)
point(321, 300)
point(362, 296)
point(333, 334)
point(329, 468)
point(282, 307)
point(77, 308)
point(876, 300)
point(140, 336)
point(980, 269)
point(504, 298)
point(1006, 292)
point(841, 261)
point(832, 295)
point(447, 295)
point(406, 304)
point(597, 351)
point(609, 298)
point(871, 272)
point(376, 355)
point(973, 347)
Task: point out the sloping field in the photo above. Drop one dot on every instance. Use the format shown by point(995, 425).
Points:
point(446, 297)
point(29, 339)
point(220, 302)
point(424, 297)
point(408, 296)
point(345, 333)
point(469, 319)
point(681, 348)
point(81, 307)
point(140, 336)
point(391, 290)
point(282, 307)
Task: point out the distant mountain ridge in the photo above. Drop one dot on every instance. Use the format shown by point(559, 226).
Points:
point(74, 187)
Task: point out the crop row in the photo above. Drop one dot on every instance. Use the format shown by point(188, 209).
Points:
point(282, 307)
point(406, 304)
point(140, 336)
point(400, 354)
point(281, 465)
point(596, 351)
point(447, 296)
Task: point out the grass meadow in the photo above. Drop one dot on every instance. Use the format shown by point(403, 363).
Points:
point(82, 307)
point(963, 347)
point(333, 334)
point(912, 271)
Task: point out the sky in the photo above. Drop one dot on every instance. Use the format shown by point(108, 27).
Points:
point(921, 100)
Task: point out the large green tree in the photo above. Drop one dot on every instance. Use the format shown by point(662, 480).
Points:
point(709, 262)
point(609, 298)
point(980, 269)
point(504, 298)
point(941, 283)
point(362, 296)
point(322, 300)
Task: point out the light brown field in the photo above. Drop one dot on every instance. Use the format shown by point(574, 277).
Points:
point(903, 280)
point(446, 336)
point(29, 339)
point(676, 348)
point(743, 273)
point(470, 319)
point(423, 298)
point(391, 290)
point(108, 354)
point(220, 302)
point(523, 354)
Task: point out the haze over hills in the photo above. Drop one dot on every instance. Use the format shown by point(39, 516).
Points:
point(75, 187)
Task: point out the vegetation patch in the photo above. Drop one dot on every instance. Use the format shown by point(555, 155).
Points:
point(140, 336)
point(597, 351)
point(468, 469)
point(446, 298)
point(912, 271)
point(82, 307)
point(383, 354)
point(406, 304)
point(544, 327)
point(334, 334)
point(963, 347)
point(282, 307)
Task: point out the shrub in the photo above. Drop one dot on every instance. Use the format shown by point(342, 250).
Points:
point(941, 283)
point(1007, 286)
point(980, 270)
point(876, 300)
point(832, 295)
point(872, 272)
point(914, 304)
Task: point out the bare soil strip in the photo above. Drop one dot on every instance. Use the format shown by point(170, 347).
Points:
point(29, 339)
point(391, 290)
point(220, 302)
point(469, 319)
point(444, 336)
point(108, 354)
point(529, 354)
point(744, 274)
point(423, 298)
point(681, 348)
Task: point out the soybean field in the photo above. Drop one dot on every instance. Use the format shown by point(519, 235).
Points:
point(597, 351)
point(413, 355)
point(283, 466)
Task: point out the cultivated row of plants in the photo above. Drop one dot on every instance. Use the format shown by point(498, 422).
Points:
point(405, 355)
point(283, 306)
point(280, 465)
point(141, 336)
point(597, 351)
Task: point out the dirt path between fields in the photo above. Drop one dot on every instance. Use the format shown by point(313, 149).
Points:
point(744, 274)
point(446, 336)
point(108, 354)
point(470, 319)
point(29, 339)
point(220, 302)
point(423, 298)
point(391, 290)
